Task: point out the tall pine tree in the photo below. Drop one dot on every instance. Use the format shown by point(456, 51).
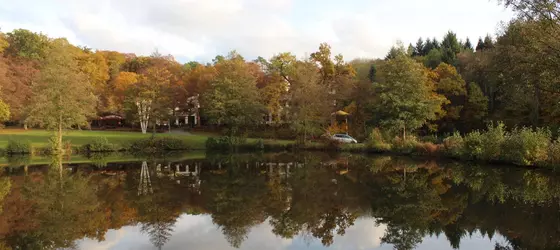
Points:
point(480, 45)
point(419, 49)
point(468, 45)
point(488, 43)
point(450, 47)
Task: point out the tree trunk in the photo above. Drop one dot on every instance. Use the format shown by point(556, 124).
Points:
point(59, 136)
point(404, 133)
point(154, 130)
point(536, 106)
point(304, 131)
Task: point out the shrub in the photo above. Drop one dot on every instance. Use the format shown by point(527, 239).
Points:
point(100, 159)
point(333, 144)
point(402, 146)
point(259, 144)
point(492, 141)
point(18, 160)
point(427, 148)
point(453, 146)
point(527, 146)
point(554, 153)
point(158, 145)
point(18, 147)
point(434, 139)
point(224, 143)
point(473, 145)
point(99, 145)
point(376, 141)
point(211, 143)
point(285, 133)
point(356, 148)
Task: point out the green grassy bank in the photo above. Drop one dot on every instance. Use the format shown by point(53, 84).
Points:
point(77, 138)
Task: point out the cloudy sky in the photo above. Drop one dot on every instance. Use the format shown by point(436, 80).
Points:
point(197, 232)
point(201, 29)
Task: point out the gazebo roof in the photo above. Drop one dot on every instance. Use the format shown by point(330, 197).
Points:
point(340, 113)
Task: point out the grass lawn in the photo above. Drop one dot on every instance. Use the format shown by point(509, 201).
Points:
point(40, 138)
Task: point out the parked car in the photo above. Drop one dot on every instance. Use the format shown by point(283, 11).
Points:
point(344, 138)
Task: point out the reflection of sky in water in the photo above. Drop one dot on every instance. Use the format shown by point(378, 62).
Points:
point(197, 232)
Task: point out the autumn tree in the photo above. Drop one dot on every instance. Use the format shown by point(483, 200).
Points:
point(336, 75)
point(4, 111)
point(452, 86)
point(3, 42)
point(15, 84)
point(406, 96)
point(122, 84)
point(273, 97)
point(5, 188)
point(147, 98)
point(63, 97)
point(95, 68)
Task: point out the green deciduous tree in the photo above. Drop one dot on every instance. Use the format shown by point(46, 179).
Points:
point(406, 96)
point(63, 97)
point(27, 44)
point(433, 58)
point(476, 107)
point(232, 97)
point(529, 75)
point(309, 105)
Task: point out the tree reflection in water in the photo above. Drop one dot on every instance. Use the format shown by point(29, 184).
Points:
point(310, 194)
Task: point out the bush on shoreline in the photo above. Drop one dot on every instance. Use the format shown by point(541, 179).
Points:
point(98, 145)
point(152, 145)
point(19, 147)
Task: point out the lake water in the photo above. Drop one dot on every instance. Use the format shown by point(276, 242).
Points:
point(278, 201)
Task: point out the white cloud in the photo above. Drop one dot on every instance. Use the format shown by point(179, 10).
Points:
point(201, 29)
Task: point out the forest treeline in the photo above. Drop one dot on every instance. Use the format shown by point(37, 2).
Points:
point(430, 87)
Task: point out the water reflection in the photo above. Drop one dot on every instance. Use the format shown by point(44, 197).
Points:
point(281, 201)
